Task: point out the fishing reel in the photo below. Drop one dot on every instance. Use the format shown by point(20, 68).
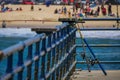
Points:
point(83, 55)
point(93, 61)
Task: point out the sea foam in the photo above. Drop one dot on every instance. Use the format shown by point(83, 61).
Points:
point(16, 32)
point(100, 34)
point(26, 32)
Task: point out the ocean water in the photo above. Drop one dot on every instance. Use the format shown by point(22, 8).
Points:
point(102, 53)
point(10, 37)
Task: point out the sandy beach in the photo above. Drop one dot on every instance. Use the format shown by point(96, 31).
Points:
point(16, 18)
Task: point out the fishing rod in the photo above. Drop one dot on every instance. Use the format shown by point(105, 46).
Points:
point(83, 54)
point(92, 61)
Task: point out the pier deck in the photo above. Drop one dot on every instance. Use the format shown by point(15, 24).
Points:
point(96, 75)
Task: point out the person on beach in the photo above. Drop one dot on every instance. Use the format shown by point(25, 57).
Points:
point(98, 10)
point(3, 24)
point(81, 13)
point(17, 9)
point(109, 9)
point(76, 6)
point(20, 9)
point(32, 8)
point(2, 6)
point(102, 6)
point(73, 8)
point(59, 11)
point(88, 10)
point(7, 8)
point(69, 14)
point(92, 12)
point(10, 9)
point(65, 10)
point(39, 9)
point(85, 11)
point(104, 11)
point(62, 9)
point(56, 11)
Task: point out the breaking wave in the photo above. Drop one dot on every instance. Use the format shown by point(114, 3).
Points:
point(26, 32)
point(16, 32)
point(100, 34)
